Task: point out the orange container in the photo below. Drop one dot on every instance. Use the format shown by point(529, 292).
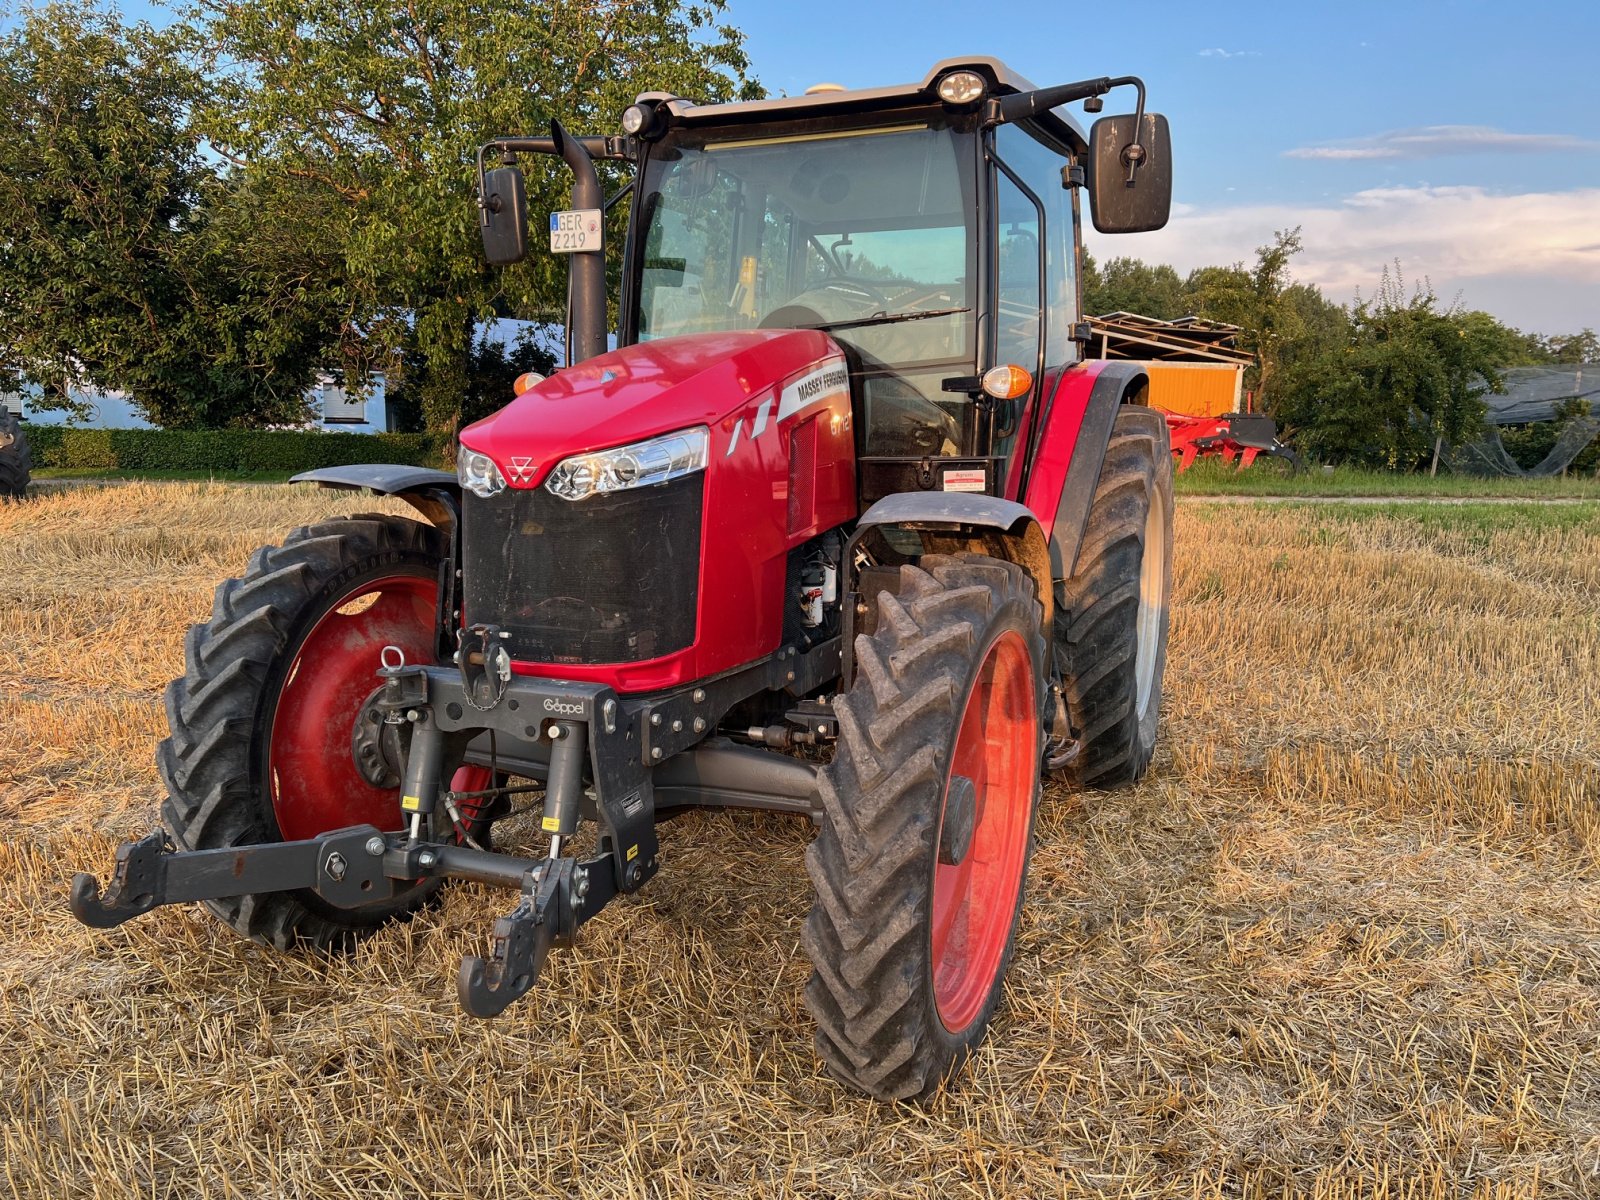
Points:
point(1196, 389)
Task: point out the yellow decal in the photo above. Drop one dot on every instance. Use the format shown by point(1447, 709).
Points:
point(633, 852)
point(411, 803)
point(551, 824)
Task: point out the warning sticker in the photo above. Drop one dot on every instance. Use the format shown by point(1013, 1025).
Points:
point(965, 479)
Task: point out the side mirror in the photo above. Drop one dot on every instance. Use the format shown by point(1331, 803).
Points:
point(1118, 205)
point(505, 216)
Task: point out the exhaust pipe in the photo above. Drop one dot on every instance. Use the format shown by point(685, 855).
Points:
point(586, 273)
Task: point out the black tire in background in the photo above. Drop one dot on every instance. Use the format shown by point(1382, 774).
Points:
point(894, 964)
point(1112, 614)
point(16, 458)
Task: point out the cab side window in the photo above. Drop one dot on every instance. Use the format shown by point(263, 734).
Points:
point(1039, 166)
point(1017, 275)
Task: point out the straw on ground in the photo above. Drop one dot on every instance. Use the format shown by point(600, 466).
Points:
point(1344, 941)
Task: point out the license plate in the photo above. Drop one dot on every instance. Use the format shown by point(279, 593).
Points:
point(575, 231)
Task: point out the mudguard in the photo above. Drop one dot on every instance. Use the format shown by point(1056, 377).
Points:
point(1072, 448)
point(974, 521)
point(435, 494)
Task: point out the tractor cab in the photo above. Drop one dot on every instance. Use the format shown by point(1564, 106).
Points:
point(930, 230)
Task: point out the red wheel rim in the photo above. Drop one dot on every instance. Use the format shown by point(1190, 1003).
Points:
point(975, 900)
point(312, 775)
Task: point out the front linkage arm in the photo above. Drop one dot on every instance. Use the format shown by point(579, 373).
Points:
point(341, 867)
point(357, 866)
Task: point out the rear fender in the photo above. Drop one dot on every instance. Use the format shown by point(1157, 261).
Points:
point(1072, 448)
point(916, 523)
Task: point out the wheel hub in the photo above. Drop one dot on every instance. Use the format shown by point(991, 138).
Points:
point(378, 745)
point(983, 832)
point(960, 816)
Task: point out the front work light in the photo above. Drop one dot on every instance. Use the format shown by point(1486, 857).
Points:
point(478, 474)
point(961, 87)
point(642, 464)
point(634, 118)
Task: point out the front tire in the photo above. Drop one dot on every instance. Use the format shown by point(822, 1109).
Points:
point(1112, 615)
point(261, 722)
point(927, 825)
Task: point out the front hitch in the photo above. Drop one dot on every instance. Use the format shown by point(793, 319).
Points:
point(359, 866)
point(557, 896)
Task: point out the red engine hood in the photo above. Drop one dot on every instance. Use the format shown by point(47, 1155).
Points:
point(638, 392)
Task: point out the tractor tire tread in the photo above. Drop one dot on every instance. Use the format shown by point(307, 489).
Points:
point(1097, 608)
point(16, 460)
point(205, 761)
point(870, 992)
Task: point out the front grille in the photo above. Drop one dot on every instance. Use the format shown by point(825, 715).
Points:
point(611, 579)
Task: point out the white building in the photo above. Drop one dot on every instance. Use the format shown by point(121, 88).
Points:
point(334, 408)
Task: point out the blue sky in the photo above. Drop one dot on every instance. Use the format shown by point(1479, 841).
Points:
point(1462, 138)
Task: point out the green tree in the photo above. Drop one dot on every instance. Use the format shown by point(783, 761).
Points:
point(1263, 300)
point(118, 262)
point(1570, 349)
point(378, 110)
point(1130, 285)
point(492, 368)
point(1411, 375)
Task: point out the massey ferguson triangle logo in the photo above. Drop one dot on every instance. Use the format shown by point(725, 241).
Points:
point(522, 469)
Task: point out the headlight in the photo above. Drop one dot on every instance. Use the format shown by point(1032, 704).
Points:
point(643, 464)
point(478, 474)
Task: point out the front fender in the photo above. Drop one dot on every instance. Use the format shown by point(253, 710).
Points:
point(435, 494)
point(975, 522)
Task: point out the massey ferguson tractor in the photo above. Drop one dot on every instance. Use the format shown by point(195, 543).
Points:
point(846, 526)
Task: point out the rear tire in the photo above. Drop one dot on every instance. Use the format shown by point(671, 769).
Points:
point(228, 784)
point(918, 895)
point(16, 459)
point(1112, 615)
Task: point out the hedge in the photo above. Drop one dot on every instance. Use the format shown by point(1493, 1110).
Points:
point(227, 450)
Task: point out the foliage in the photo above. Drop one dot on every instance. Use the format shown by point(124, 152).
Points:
point(1129, 285)
point(1529, 443)
point(1569, 349)
point(119, 242)
point(492, 368)
point(225, 450)
point(1411, 373)
point(1280, 320)
point(1213, 477)
point(379, 109)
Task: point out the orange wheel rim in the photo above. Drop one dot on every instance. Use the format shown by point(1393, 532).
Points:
point(975, 899)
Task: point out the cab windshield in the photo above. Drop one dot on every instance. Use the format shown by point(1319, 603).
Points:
point(865, 231)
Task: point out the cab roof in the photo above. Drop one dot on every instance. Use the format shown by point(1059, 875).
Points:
point(1002, 81)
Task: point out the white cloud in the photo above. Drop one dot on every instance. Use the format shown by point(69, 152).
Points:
point(1531, 259)
point(1219, 52)
point(1434, 141)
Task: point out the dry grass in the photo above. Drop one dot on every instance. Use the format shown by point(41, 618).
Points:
point(1343, 942)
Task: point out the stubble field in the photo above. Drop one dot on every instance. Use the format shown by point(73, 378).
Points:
point(1344, 941)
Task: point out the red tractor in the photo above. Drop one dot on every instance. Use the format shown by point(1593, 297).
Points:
point(845, 527)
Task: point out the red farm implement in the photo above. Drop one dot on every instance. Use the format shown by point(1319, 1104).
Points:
point(1196, 373)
